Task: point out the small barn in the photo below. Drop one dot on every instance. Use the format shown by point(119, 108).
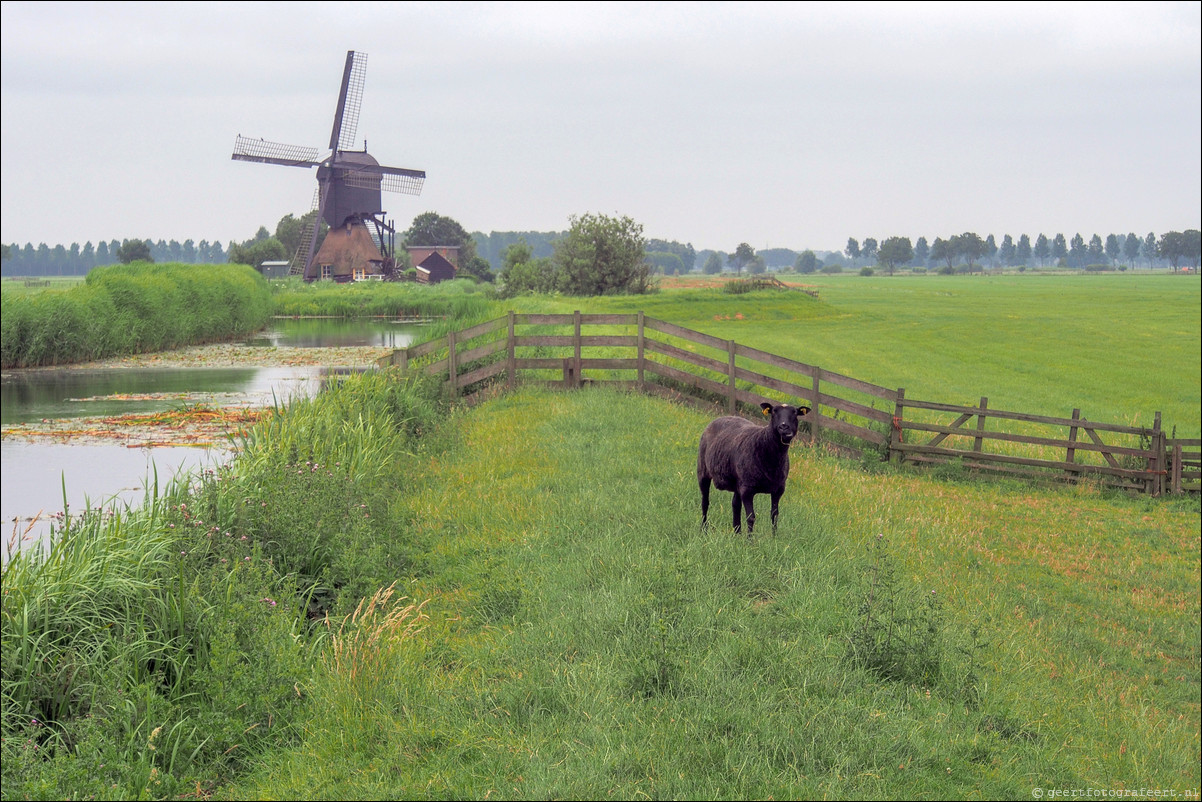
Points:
point(419, 253)
point(349, 254)
point(274, 269)
point(435, 268)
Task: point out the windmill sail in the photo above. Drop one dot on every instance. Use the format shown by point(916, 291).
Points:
point(265, 152)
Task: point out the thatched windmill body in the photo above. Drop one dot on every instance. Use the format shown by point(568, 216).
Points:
point(349, 186)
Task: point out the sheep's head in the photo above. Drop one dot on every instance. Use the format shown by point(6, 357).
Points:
point(783, 420)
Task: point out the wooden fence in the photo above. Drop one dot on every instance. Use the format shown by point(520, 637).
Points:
point(850, 416)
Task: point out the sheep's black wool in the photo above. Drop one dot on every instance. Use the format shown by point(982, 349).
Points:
point(737, 455)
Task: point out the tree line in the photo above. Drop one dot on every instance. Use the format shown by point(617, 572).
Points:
point(484, 255)
point(77, 260)
point(1174, 248)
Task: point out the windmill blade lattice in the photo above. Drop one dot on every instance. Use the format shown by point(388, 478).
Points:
point(266, 152)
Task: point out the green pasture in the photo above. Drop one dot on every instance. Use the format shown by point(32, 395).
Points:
point(1119, 348)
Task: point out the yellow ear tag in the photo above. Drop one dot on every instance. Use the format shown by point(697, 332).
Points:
point(765, 411)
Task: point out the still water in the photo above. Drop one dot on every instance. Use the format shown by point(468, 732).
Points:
point(34, 475)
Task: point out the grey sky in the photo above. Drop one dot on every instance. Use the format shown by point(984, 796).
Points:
point(777, 124)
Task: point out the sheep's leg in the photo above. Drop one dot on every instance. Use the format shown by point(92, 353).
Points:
point(704, 483)
point(775, 509)
point(736, 507)
point(749, 506)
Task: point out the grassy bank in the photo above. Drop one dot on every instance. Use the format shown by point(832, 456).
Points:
point(584, 640)
point(155, 649)
point(130, 309)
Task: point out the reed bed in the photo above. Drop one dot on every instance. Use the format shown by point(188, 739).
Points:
point(130, 309)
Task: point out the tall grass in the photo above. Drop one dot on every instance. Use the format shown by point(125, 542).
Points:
point(147, 651)
point(124, 309)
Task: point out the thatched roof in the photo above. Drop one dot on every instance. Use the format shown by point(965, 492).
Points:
point(348, 247)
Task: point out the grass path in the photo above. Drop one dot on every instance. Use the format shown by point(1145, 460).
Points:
point(584, 640)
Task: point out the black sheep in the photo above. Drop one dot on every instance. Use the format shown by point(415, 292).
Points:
point(746, 459)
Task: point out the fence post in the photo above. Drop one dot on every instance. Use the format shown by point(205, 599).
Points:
point(1175, 487)
point(452, 367)
point(576, 355)
point(640, 362)
point(511, 363)
point(1156, 461)
point(731, 401)
point(895, 431)
point(815, 412)
point(978, 440)
point(1071, 456)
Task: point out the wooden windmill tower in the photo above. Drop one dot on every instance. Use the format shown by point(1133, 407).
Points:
point(349, 183)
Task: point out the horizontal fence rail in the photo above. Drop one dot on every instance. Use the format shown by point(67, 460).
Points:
point(853, 417)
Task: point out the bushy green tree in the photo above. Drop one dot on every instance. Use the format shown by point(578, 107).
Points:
point(522, 273)
point(134, 250)
point(602, 255)
point(807, 262)
point(893, 252)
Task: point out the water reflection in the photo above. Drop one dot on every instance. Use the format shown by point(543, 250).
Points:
point(34, 477)
point(34, 473)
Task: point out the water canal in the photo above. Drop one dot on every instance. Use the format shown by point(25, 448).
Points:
point(289, 358)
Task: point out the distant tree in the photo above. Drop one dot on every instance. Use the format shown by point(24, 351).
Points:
point(1131, 248)
point(1077, 252)
point(1178, 246)
point(893, 252)
point(742, 257)
point(944, 251)
point(1114, 248)
point(807, 262)
point(102, 254)
point(88, 255)
point(1043, 249)
point(970, 246)
point(1022, 251)
point(1006, 251)
point(1148, 248)
point(134, 250)
point(713, 264)
point(601, 255)
point(869, 248)
point(255, 252)
point(666, 263)
point(1095, 252)
point(922, 252)
point(1059, 247)
point(990, 251)
point(852, 250)
point(1193, 246)
point(758, 265)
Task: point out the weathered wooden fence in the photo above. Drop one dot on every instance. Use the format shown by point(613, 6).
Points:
point(853, 417)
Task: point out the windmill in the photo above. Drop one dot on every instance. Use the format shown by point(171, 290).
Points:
point(349, 183)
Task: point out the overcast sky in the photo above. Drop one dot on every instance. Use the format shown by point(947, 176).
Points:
point(777, 124)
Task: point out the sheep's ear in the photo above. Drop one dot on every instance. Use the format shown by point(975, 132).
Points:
point(767, 409)
point(803, 411)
